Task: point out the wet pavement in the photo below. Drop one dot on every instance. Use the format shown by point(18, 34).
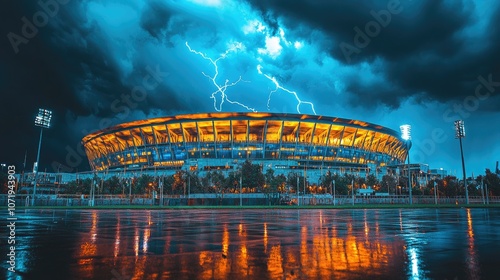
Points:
point(256, 244)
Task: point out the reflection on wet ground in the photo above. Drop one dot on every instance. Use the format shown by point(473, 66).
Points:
point(258, 244)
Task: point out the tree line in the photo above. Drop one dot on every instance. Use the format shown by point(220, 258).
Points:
point(251, 178)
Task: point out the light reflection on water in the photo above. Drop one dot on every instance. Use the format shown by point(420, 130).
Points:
point(266, 244)
point(473, 266)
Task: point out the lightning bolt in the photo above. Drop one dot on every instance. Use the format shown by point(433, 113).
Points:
point(221, 88)
point(278, 87)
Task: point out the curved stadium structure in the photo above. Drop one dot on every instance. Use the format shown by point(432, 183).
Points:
point(223, 140)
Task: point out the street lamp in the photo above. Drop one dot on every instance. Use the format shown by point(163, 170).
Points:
point(160, 184)
point(43, 121)
point(406, 135)
point(298, 190)
point(333, 192)
point(189, 184)
point(352, 191)
point(241, 181)
point(460, 133)
point(435, 192)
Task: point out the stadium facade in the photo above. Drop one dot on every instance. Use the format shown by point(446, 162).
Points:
point(222, 141)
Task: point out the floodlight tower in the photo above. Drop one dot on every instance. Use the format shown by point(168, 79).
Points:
point(460, 133)
point(43, 121)
point(406, 135)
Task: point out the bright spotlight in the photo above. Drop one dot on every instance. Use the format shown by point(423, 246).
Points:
point(460, 129)
point(43, 118)
point(405, 132)
point(43, 121)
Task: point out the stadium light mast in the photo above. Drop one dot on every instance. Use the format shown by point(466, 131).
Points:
point(406, 135)
point(460, 133)
point(43, 121)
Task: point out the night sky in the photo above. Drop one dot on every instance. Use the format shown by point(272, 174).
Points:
point(100, 63)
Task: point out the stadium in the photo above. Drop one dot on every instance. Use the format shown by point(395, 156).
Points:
point(223, 141)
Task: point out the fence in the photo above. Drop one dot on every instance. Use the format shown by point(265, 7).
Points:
point(216, 199)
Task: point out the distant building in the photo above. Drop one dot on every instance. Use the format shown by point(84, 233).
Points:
point(420, 172)
point(47, 182)
point(438, 173)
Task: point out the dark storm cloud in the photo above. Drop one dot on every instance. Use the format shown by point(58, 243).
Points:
point(71, 65)
point(91, 56)
point(269, 17)
point(64, 69)
point(37, 76)
point(155, 18)
point(412, 29)
point(165, 20)
point(424, 47)
point(374, 95)
point(68, 67)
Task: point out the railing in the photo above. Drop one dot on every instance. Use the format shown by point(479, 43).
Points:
point(215, 199)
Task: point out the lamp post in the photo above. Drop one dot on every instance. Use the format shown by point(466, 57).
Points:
point(482, 190)
point(241, 181)
point(460, 133)
point(92, 191)
point(333, 192)
point(352, 191)
point(406, 135)
point(189, 184)
point(487, 194)
point(160, 184)
point(298, 190)
point(43, 121)
point(129, 183)
point(304, 193)
point(435, 192)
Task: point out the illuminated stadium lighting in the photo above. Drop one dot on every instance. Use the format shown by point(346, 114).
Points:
point(177, 142)
point(406, 135)
point(406, 132)
point(460, 133)
point(43, 121)
point(43, 118)
point(459, 129)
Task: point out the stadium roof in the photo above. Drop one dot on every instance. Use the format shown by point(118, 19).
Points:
point(242, 116)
